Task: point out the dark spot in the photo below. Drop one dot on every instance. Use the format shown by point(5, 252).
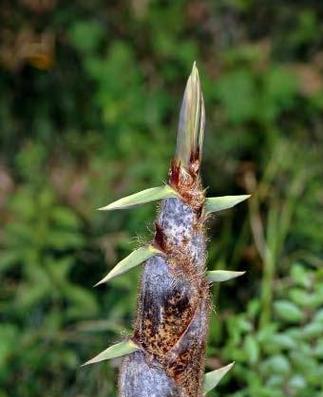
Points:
point(159, 237)
point(195, 155)
point(176, 304)
point(174, 173)
point(198, 211)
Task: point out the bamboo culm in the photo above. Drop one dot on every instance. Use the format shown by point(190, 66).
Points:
point(167, 348)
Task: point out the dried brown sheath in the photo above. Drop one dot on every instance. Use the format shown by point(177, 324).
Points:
point(173, 306)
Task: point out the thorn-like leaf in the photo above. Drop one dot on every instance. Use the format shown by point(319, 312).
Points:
point(145, 196)
point(137, 257)
point(211, 379)
point(191, 121)
point(114, 351)
point(217, 276)
point(213, 204)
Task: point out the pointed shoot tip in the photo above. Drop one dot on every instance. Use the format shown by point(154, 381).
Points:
point(191, 121)
point(195, 71)
point(98, 283)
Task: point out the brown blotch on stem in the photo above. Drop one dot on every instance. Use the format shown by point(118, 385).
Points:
point(187, 182)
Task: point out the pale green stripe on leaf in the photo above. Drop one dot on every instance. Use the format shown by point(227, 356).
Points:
point(145, 196)
point(137, 257)
point(211, 379)
point(117, 350)
point(214, 204)
point(217, 276)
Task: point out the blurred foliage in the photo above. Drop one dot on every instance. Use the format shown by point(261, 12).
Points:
point(89, 100)
point(283, 357)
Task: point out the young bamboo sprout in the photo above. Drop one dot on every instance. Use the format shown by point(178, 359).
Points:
point(165, 355)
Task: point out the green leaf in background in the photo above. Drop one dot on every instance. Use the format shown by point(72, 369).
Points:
point(297, 383)
point(9, 335)
point(312, 330)
point(283, 341)
point(280, 88)
point(277, 364)
point(251, 347)
point(319, 316)
point(238, 93)
point(288, 311)
point(86, 35)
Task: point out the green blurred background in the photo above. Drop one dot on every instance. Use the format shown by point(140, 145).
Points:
point(89, 100)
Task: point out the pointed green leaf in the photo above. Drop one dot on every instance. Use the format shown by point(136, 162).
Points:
point(214, 204)
point(117, 350)
point(217, 276)
point(211, 379)
point(191, 120)
point(145, 196)
point(137, 257)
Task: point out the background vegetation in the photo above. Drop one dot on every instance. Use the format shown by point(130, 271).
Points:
point(89, 100)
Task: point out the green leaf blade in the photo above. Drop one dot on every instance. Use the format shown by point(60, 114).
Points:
point(212, 379)
point(137, 257)
point(218, 276)
point(114, 351)
point(214, 204)
point(288, 311)
point(143, 197)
